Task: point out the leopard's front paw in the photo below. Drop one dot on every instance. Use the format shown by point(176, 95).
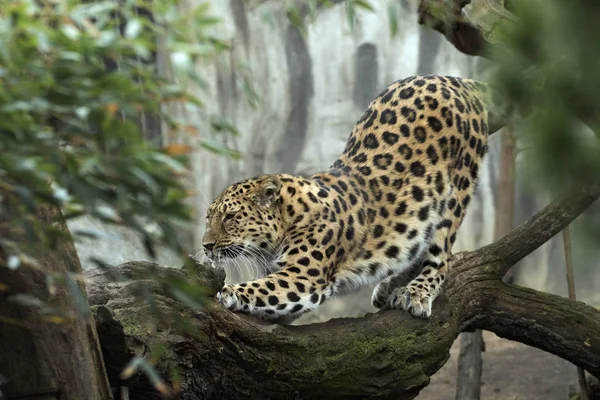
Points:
point(228, 298)
point(410, 298)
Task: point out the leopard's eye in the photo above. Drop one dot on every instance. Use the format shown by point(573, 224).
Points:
point(230, 215)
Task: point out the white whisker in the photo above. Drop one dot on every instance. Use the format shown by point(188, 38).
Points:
point(263, 265)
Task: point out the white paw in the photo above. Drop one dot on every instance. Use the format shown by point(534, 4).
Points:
point(417, 301)
point(227, 298)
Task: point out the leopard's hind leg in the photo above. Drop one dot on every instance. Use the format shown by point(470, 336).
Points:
point(418, 295)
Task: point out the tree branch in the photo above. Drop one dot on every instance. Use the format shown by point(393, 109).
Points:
point(566, 328)
point(527, 237)
point(385, 355)
point(469, 25)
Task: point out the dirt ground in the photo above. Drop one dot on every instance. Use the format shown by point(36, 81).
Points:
point(511, 371)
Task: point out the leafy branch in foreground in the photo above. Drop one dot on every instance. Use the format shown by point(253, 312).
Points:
point(79, 80)
point(71, 132)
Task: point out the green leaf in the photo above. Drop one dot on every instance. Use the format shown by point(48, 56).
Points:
point(146, 178)
point(393, 18)
point(88, 233)
point(219, 149)
point(133, 28)
point(157, 351)
point(131, 367)
point(175, 165)
point(350, 15)
point(312, 9)
point(107, 214)
point(154, 377)
point(221, 124)
point(187, 299)
point(109, 269)
point(295, 17)
point(362, 4)
point(181, 60)
point(24, 299)
point(80, 300)
point(93, 10)
point(70, 31)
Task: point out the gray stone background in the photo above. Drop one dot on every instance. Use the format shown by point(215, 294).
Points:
point(312, 90)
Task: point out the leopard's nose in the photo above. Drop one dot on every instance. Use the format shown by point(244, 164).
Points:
point(208, 248)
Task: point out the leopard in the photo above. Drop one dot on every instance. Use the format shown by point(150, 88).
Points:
point(392, 202)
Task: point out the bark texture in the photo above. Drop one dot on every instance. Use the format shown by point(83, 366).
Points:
point(38, 358)
point(384, 355)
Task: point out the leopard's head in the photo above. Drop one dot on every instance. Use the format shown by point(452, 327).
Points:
point(244, 223)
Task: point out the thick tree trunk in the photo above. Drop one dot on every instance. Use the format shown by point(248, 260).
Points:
point(384, 355)
point(38, 356)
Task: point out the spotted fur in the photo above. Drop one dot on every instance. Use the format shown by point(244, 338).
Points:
point(392, 202)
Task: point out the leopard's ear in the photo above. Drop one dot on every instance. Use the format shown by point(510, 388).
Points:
point(267, 191)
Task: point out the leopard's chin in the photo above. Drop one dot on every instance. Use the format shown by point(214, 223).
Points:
point(246, 266)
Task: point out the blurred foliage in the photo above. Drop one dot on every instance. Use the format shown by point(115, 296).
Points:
point(70, 126)
point(547, 67)
point(299, 13)
point(79, 82)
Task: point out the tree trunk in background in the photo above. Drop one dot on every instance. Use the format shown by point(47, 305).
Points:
point(470, 362)
point(583, 393)
point(39, 358)
point(593, 387)
point(468, 383)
